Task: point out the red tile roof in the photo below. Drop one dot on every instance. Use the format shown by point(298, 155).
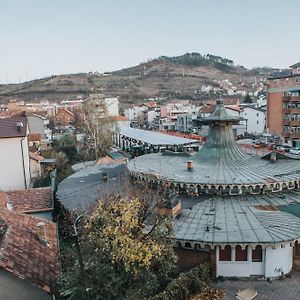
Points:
point(207, 109)
point(32, 137)
point(28, 249)
point(13, 127)
point(120, 118)
point(35, 156)
point(27, 201)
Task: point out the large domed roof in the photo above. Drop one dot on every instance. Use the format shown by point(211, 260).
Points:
point(220, 167)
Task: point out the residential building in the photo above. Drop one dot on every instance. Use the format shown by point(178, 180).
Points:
point(14, 154)
point(283, 106)
point(111, 104)
point(255, 119)
point(64, 118)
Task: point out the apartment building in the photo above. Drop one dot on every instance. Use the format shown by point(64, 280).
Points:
point(283, 105)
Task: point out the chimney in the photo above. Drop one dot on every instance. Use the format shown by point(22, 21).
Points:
point(190, 165)
point(171, 206)
point(20, 125)
point(41, 233)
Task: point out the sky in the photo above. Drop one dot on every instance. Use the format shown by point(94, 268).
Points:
point(48, 37)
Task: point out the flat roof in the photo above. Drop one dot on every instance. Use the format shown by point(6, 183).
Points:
point(153, 137)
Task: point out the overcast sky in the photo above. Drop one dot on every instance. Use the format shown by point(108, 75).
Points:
point(46, 37)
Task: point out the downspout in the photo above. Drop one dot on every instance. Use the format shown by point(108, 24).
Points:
point(24, 174)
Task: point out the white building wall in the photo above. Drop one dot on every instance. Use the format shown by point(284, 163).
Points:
point(11, 162)
point(278, 261)
point(112, 105)
point(255, 120)
point(133, 113)
point(275, 262)
point(151, 115)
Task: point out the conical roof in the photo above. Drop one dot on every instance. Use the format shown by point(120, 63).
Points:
point(219, 115)
point(221, 145)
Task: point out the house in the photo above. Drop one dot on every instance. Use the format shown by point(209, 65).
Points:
point(34, 141)
point(112, 104)
point(37, 124)
point(64, 118)
point(29, 261)
point(14, 154)
point(255, 118)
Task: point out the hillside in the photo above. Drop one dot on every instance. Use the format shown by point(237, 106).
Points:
point(168, 77)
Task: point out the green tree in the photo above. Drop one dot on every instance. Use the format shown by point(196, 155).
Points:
point(127, 250)
point(247, 99)
point(67, 145)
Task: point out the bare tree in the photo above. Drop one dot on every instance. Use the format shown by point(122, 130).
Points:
point(99, 127)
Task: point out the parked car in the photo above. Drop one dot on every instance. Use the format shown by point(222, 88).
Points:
point(284, 148)
point(295, 151)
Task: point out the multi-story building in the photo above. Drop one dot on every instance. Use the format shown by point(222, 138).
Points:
point(14, 154)
point(283, 106)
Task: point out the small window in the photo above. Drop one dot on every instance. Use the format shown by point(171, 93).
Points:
point(257, 254)
point(257, 122)
point(225, 254)
point(240, 254)
point(257, 114)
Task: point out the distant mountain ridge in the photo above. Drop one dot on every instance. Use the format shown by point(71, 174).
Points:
point(168, 77)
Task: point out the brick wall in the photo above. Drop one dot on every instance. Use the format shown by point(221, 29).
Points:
point(274, 115)
point(190, 258)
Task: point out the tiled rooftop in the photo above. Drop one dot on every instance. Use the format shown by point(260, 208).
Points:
point(28, 249)
point(13, 127)
point(30, 200)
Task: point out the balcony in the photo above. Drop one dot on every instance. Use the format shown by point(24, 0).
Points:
point(294, 123)
point(294, 110)
point(286, 122)
point(285, 110)
point(286, 98)
point(294, 98)
point(294, 135)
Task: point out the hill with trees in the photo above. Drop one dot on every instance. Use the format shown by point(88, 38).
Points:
point(162, 77)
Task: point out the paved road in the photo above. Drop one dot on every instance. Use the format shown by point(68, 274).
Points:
point(286, 289)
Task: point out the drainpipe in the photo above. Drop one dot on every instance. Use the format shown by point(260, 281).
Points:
point(24, 174)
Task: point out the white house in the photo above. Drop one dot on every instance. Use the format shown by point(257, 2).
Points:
point(112, 104)
point(133, 113)
point(14, 155)
point(256, 119)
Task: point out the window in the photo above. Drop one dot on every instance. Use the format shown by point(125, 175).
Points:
point(257, 114)
point(225, 254)
point(257, 254)
point(257, 122)
point(187, 245)
point(240, 254)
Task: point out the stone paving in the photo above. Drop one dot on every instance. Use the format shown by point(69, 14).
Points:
point(281, 289)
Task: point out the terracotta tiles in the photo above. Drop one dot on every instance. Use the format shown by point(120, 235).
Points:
point(36, 156)
point(30, 200)
point(28, 249)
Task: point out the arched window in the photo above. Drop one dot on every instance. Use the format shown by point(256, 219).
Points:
point(187, 245)
point(225, 254)
point(257, 254)
point(240, 254)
